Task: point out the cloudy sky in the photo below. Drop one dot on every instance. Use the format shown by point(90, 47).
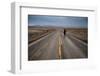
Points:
point(64, 21)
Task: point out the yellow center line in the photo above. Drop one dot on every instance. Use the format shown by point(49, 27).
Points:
point(59, 50)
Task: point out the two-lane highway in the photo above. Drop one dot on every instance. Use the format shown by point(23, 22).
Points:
point(57, 45)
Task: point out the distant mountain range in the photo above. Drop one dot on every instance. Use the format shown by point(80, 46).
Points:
point(48, 26)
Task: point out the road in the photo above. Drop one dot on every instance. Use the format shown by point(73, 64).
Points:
point(56, 45)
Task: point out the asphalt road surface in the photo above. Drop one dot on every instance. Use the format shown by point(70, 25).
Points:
point(57, 45)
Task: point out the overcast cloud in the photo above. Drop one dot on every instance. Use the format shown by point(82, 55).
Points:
point(64, 21)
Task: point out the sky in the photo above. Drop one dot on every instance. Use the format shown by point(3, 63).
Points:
point(60, 21)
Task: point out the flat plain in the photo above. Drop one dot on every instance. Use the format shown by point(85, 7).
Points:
point(50, 43)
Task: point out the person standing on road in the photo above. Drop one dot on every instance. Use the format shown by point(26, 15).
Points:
point(64, 32)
